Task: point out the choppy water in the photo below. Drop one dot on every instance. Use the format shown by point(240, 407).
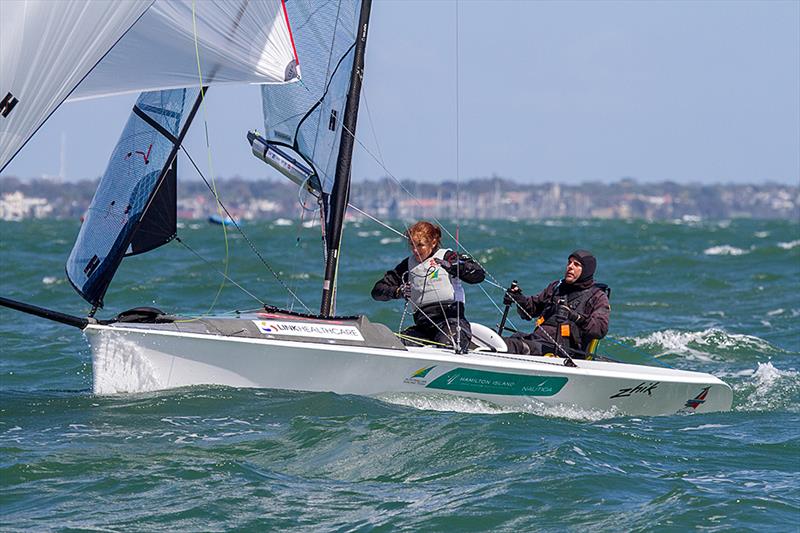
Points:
point(716, 297)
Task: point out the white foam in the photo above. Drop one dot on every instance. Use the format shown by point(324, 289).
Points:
point(789, 245)
point(769, 389)
point(389, 240)
point(775, 312)
point(761, 234)
point(680, 341)
point(766, 375)
point(704, 426)
point(443, 402)
point(51, 280)
point(375, 233)
point(119, 366)
point(461, 404)
point(725, 249)
point(283, 222)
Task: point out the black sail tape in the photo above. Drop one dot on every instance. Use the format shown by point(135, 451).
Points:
point(7, 105)
point(155, 125)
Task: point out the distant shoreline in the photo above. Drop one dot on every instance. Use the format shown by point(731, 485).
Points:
point(478, 199)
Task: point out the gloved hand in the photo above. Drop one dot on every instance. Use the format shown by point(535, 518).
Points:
point(403, 291)
point(513, 295)
point(569, 314)
point(450, 263)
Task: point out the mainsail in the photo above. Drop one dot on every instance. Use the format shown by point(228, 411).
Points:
point(50, 51)
point(133, 209)
point(307, 116)
point(317, 118)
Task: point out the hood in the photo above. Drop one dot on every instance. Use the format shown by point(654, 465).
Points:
point(589, 264)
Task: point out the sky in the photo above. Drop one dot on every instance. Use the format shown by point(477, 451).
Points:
point(693, 92)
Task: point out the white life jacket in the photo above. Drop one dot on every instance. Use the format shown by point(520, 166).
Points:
point(430, 283)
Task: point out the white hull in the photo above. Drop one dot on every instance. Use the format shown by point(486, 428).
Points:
point(135, 359)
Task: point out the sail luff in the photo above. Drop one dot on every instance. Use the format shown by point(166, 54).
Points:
point(341, 188)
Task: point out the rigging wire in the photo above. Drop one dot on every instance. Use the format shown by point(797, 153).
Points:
point(246, 238)
point(223, 274)
point(413, 197)
point(458, 181)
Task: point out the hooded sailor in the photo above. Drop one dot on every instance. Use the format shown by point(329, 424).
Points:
point(571, 313)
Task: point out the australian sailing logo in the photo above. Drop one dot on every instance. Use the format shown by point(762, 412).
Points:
point(418, 377)
point(641, 388)
point(309, 329)
point(433, 270)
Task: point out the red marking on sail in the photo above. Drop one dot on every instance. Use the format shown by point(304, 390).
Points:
point(289, 26)
point(145, 156)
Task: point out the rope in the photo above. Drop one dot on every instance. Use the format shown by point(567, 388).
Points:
point(208, 152)
point(420, 341)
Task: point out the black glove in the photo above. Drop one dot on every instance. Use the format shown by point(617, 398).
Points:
point(569, 314)
point(452, 263)
point(513, 296)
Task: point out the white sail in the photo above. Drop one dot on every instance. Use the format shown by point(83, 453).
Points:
point(80, 49)
point(238, 41)
point(46, 49)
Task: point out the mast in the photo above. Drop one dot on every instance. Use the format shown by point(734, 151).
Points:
point(341, 188)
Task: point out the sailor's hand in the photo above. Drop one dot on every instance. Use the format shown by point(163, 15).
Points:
point(513, 295)
point(569, 314)
point(403, 291)
point(450, 263)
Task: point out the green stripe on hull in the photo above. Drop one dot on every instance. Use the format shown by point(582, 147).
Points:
point(468, 380)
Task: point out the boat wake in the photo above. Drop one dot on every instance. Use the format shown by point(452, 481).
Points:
point(440, 402)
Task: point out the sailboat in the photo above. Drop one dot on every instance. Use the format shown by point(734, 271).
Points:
point(310, 125)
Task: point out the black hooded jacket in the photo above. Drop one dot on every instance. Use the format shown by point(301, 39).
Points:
point(594, 309)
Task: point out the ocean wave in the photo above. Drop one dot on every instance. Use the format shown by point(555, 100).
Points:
point(390, 240)
point(52, 280)
point(767, 388)
point(789, 245)
point(703, 344)
point(725, 249)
